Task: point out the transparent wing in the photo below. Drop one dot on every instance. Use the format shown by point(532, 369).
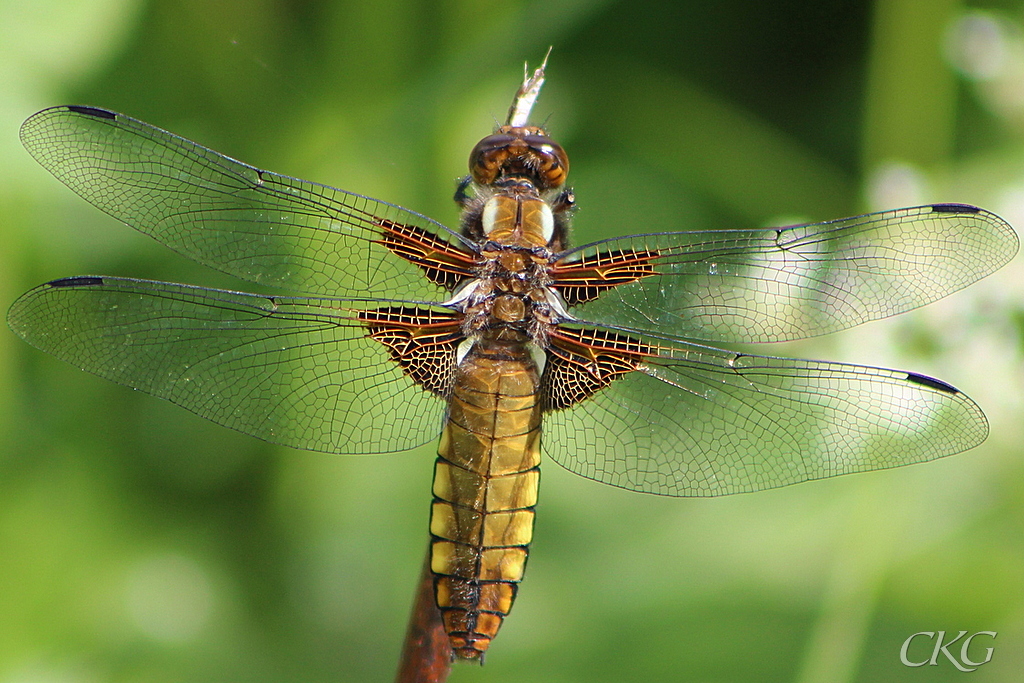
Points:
point(294, 371)
point(254, 224)
point(700, 421)
point(790, 283)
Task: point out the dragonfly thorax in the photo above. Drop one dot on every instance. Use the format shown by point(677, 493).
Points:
point(508, 308)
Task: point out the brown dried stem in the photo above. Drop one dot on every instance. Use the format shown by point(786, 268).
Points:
point(426, 654)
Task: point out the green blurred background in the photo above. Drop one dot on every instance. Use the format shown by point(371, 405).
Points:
point(139, 543)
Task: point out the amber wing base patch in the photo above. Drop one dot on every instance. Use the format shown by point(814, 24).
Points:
point(422, 341)
point(586, 279)
point(442, 263)
point(582, 361)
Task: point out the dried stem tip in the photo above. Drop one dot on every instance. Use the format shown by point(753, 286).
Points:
point(519, 112)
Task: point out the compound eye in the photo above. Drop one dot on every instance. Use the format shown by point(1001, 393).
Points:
point(552, 162)
point(489, 155)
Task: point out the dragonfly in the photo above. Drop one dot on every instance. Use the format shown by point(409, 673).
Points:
point(404, 331)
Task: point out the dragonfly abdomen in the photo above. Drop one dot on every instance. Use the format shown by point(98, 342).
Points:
point(485, 489)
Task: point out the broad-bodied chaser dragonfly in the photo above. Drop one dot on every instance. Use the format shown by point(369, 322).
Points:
point(410, 329)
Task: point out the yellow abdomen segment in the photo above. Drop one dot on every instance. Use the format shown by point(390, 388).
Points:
point(485, 488)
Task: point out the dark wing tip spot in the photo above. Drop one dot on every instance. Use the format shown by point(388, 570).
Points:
point(86, 281)
point(932, 383)
point(92, 111)
point(955, 208)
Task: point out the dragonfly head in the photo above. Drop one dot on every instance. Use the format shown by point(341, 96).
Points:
point(519, 152)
